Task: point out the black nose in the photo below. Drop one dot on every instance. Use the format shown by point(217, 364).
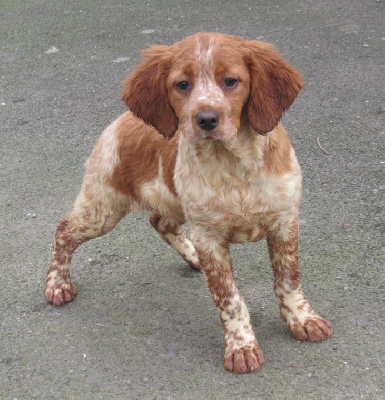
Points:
point(207, 120)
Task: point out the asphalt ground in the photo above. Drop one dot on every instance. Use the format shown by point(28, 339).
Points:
point(143, 325)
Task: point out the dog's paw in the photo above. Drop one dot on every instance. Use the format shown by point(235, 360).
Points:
point(314, 329)
point(243, 360)
point(59, 290)
point(194, 265)
point(190, 255)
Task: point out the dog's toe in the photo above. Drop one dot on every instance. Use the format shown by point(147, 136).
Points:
point(313, 329)
point(59, 293)
point(244, 360)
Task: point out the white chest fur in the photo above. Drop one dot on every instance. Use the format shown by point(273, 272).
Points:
point(227, 189)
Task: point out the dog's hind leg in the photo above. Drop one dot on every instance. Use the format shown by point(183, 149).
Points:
point(93, 215)
point(171, 232)
point(96, 211)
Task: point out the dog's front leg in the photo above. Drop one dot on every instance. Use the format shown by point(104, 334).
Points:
point(301, 320)
point(242, 353)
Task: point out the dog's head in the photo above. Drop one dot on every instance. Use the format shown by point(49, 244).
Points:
point(210, 85)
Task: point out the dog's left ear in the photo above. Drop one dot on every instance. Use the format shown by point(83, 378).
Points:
point(145, 91)
point(274, 85)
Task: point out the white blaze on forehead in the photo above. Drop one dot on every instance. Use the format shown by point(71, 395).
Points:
point(206, 89)
point(205, 57)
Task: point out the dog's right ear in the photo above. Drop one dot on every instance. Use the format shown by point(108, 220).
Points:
point(145, 91)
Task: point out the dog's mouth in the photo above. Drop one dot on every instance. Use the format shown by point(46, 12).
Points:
point(200, 136)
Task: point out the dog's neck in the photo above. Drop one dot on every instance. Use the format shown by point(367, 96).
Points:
point(246, 147)
point(241, 158)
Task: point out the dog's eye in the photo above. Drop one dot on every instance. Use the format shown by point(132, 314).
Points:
point(230, 82)
point(183, 85)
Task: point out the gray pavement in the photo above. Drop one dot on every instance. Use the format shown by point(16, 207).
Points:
point(143, 325)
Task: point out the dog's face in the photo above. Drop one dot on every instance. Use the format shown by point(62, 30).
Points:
point(208, 89)
point(211, 85)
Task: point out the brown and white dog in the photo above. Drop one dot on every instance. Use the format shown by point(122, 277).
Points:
point(228, 169)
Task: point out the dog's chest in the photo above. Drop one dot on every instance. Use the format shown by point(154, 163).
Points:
point(240, 200)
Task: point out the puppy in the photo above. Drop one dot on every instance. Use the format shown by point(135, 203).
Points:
point(227, 168)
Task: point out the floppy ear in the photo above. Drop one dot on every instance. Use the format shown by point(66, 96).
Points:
point(274, 86)
point(145, 91)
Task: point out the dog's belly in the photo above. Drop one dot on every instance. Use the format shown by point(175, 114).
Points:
point(246, 234)
point(240, 228)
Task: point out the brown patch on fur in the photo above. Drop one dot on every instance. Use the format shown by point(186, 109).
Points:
point(274, 85)
point(277, 156)
point(165, 225)
point(139, 148)
point(284, 257)
point(145, 92)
